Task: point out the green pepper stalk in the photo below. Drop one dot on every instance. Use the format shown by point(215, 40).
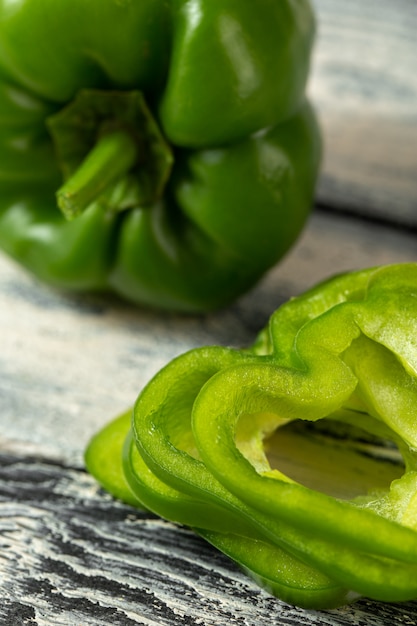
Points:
point(113, 155)
point(160, 149)
point(198, 446)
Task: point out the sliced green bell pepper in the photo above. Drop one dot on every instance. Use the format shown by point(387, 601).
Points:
point(174, 137)
point(335, 373)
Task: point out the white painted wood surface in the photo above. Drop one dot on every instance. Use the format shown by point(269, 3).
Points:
point(364, 86)
point(70, 555)
point(70, 363)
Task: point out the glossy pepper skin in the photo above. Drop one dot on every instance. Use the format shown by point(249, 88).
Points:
point(173, 135)
point(195, 448)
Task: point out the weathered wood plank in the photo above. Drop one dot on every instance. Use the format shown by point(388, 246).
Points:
point(70, 555)
point(364, 86)
point(69, 364)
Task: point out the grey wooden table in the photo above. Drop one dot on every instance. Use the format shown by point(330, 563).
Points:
point(71, 555)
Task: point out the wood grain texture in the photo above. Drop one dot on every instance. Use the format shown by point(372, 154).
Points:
point(71, 555)
point(364, 86)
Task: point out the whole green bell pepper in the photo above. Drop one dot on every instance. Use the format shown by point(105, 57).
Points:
point(174, 137)
point(338, 365)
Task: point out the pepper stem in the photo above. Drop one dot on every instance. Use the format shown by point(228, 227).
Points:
point(113, 155)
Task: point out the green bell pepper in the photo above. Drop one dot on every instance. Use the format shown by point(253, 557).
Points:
point(296, 457)
point(163, 150)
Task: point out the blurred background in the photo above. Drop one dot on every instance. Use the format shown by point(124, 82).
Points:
point(364, 85)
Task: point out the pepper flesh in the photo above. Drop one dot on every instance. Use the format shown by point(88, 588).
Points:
point(345, 352)
point(237, 145)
